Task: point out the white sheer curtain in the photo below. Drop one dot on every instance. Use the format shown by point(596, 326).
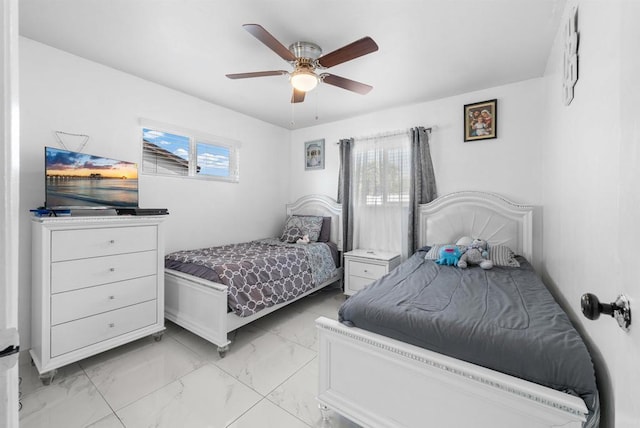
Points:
point(380, 191)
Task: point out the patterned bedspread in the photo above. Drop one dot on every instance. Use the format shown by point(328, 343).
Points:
point(259, 273)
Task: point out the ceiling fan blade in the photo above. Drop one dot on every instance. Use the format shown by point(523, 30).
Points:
point(344, 83)
point(297, 96)
point(271, 42)
point(361, 47)
point(257, 74)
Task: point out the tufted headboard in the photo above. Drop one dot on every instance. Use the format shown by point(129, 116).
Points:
point(478, 215)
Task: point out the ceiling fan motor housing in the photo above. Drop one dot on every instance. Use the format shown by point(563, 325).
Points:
point(307, 50)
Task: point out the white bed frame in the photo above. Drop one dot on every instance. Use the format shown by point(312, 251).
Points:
point(200, 306)
point(380, 382)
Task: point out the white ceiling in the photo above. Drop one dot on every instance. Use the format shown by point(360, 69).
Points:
point(428, 49)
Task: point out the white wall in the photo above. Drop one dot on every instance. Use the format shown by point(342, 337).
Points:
point(59, 91)
point(589, 191)
point(509, 165)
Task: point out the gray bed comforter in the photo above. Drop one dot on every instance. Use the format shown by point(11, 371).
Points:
point(504, 319)
point(260, 273)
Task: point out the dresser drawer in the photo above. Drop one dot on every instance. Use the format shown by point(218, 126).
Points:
point(85, 302)
point(74, 274)
point(83, 243)
point(366, 270)
point(87, 331)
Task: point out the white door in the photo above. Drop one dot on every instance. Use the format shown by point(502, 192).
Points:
point(9, 211)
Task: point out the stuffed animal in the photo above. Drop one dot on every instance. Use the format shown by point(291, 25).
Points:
point(303, 240)
point(476, 253)
point(449, 255)
point(465, 241)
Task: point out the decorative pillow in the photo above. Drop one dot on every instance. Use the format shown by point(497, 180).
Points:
point(325, 232)
point(298, 226)
point(424, 249)
point(502, 255)
point(434, 252)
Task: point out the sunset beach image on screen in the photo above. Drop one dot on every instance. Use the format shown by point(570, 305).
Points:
point(87, 181)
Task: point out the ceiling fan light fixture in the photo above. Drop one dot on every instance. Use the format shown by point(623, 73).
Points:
point(304, 80)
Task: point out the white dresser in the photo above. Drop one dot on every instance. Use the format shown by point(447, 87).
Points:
point(362, 267)
point(97, 283)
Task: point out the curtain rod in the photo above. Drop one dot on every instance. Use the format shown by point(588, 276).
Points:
point(389, 134)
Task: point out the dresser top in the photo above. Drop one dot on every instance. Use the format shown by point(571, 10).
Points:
point(372, 254)
point(97, 220)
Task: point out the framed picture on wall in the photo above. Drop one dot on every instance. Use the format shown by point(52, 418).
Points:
point(481, 120)
point(570, 64)
point(314, 154)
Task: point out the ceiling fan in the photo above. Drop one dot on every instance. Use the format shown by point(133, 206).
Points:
point(307, 58)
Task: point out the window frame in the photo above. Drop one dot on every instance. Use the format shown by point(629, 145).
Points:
point(385, 198)
point(195, 138)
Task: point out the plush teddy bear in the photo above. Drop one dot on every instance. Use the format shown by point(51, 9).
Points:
point(476, 253)
point(449, 255)
point(303, 240)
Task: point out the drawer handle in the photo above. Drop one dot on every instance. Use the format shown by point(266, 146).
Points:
point(112, 297)
point(113, 241)
point(112, 269)
point(111, 325)
point(366, 271)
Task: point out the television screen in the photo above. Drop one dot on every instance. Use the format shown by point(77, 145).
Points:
point(79, 180)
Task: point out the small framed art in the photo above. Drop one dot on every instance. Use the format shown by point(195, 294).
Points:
point(571, 40)
point(481, 120)
point(314, 154)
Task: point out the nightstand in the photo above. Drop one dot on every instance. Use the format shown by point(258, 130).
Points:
point(362, 267)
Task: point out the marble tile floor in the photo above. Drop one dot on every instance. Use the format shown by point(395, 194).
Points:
point(267, 379)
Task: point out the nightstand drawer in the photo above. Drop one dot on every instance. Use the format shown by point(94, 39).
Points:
point(84, 243)
point(366, 270)
point(357, 283)
point(87, 331)
point(74, 274)
point(85, 302)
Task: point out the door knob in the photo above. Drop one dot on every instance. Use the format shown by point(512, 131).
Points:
point(620, 309)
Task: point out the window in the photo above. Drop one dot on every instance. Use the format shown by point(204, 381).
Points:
point(380, 178)
point(167, 151)
point(383, 174)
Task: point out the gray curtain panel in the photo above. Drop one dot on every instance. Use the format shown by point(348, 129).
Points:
point(422, 186)
point(344, 194)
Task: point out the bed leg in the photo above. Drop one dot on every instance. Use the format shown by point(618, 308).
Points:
point(324, 411)
point(222, 350)
point(47, 377)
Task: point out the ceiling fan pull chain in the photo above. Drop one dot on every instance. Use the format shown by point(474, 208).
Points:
point(293, 114)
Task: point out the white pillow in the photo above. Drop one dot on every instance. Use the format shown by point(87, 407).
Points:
point(465, 241)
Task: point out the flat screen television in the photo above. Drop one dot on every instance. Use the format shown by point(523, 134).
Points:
point(82, 181)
